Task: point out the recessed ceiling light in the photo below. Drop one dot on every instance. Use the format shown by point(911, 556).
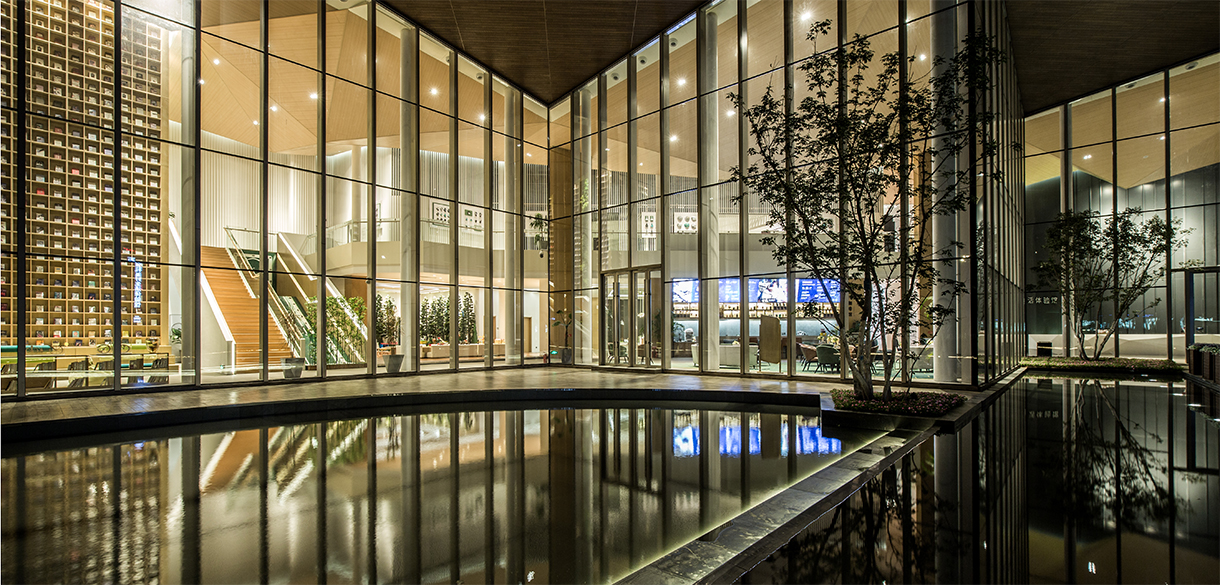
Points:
point(1162, 137)
point(216, 61)
point(729, 113)
point(482, 117)
point(1088, 156)
point(673, 138)
point(256, 122)
point(529, 154)
point(313, 96)
point(435, 91)
point(923, 57)
point(681, 81)
point(806, 16)
point(201, 82)
point(641, 164)
point(275, 108)
point(1162, 100)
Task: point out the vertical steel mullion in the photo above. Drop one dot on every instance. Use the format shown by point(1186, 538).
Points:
point(789, 93)
point(700, 133)
point(633, 177)
point(20, 136)
point(663, 223)
point(320, 333)
point(743, 206)
point(602, 190)
point(454, 210)
point(972, 116)
point(489, 353)
point(1067, 200)
point(844, 303)
point(904, 195)
point(195, 318)
point(370, 187)
point(1114, 211)
point(264, 208)
point(1168, 221)
point(116, 321)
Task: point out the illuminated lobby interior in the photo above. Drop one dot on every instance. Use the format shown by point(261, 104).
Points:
point(212, 210)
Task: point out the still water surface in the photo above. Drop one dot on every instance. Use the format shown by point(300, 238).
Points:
point(537, 496)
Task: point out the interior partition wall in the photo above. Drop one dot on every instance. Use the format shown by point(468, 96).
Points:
point(647, 150)
point(218, 192)
point(1151, 143)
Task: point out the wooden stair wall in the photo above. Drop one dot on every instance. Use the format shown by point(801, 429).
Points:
point(241, 311)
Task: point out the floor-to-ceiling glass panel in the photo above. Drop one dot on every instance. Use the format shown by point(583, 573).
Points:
point(614, 240)
point(346, 332)
point(292, 116)
point(646, 248)
point(684, 322)
point(804, 14)
point(434, 60)
point(1193, 95)
point(535, 327)
point(720, 61)
point(347, 43)
point(682, 238)
point(1140, 107)
point(768, 322)
point(764, 41)
point(870, 16)
point(289, 27)
point(683, 147)
point(648, 157)
point(471, 329)
point(648, 79)
point(435, 240)
point(229, 94)
point(683, 76)
point(237, 21)
point(434, 311)
point(587, 334)
point(1092, 121)
point(616, 94)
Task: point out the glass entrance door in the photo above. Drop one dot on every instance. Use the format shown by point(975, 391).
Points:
point(632, 317)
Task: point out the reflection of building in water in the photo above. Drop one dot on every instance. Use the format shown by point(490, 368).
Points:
point(570, 495)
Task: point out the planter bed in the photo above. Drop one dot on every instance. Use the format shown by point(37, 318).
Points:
point(1103, 365)
point(901, 403)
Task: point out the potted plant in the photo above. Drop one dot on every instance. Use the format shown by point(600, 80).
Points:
point(563, 318)
point(387, 326)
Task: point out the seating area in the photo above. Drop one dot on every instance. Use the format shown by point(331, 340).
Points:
point(87, 371)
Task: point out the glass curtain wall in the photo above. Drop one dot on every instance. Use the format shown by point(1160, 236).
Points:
point(1149, 144)
point(218, 192)
point(726, 305)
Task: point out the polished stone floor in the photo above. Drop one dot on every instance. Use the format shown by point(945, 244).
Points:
point(84, 406)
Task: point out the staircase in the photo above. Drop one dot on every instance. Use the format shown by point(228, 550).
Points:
point(241, 312)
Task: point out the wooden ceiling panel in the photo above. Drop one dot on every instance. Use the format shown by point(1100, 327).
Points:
point(1065, 49)
point(546, 47)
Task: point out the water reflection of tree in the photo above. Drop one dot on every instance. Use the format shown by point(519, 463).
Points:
point(1110, 472)
point(861, 540)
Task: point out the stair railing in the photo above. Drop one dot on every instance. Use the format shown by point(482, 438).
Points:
point(288, 327)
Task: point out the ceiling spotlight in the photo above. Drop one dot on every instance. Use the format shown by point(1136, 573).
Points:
point(201, 82)
point(275, 108)
point(434, 91)
point(923, 57)
point(643, 60)
point(482, 117)
point(1130, 85)
point(614, 76)
point(478, 77)
point(681, 81)
point(673, 138)
point(673, 42)
point(1162, 100)
point(256, 122)
point(1192, 65)
point(641, 164)
point(216, 61)
point(729, 113)
point(806, 16)
point(1088, 156)
point(1162, 137)
point(531, 155)
point(313, 96)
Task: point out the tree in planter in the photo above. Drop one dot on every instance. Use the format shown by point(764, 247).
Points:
point(1105, 265)
point(387, 322)
point(839, 206)
point(468, 327)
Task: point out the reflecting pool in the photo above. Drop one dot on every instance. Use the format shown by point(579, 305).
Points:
point(1058, 481)
point(511, 496)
